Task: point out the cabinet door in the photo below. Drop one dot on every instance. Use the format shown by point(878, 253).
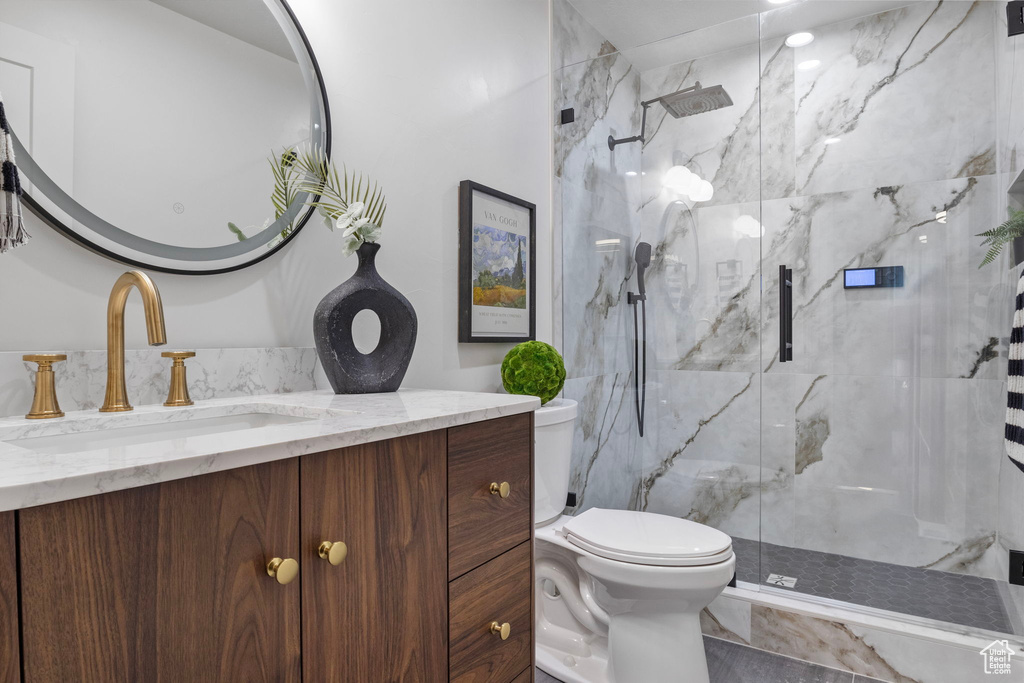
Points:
point(382, 614)
point(165, 582)
point(482, 524)
point(10, 669)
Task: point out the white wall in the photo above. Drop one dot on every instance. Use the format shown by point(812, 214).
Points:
point(422, 95)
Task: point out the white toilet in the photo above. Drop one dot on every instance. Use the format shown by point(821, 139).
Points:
point(619, 593)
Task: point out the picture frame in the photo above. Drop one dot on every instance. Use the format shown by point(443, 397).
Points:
point(497, 266)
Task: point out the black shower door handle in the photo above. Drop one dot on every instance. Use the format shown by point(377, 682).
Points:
point(785, 314)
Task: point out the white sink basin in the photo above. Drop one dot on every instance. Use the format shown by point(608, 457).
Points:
point(102, 431)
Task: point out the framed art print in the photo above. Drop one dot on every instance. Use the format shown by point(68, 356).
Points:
point(497, 266)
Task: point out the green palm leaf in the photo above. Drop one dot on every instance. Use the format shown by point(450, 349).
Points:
point(1000, 236)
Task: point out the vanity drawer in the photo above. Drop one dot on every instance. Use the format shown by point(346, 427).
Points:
point(482, 524)
point(499, 591)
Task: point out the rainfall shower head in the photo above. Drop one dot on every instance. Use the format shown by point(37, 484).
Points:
point(695, 100)
point(685, 102)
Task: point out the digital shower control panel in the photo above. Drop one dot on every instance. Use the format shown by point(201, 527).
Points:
point(862, 278)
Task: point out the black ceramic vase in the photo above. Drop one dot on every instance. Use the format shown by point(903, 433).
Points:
point(349, 370)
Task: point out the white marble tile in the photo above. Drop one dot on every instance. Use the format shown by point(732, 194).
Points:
point(573, 39)
point(950, 318)
point(704, 285)
point(701, 455)
point(883, 89)
point(727, 618)
point(882, 654)
point(897, 470)
point(606, 463)
point(1009, 82)
point(721, 146)
point(598, 247)
point(604, 93)
point(213, 373)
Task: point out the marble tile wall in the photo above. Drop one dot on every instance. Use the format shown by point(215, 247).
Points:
point(213, 373)
point(596, 229)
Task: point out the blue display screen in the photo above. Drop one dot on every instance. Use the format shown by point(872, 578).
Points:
point(862, 277)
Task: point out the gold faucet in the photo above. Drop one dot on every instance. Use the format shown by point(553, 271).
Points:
point(116, 399)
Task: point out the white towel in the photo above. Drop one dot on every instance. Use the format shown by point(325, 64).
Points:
point(1015, 384)
point(12, 225)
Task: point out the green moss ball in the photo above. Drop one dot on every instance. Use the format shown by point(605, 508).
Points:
point(533, 368)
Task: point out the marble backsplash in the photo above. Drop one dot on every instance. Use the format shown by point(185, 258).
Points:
point(213, 373)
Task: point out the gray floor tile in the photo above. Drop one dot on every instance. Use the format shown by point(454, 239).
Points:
point(956, 598)
point(864, 679)
point(541, 677)
point(733, 663)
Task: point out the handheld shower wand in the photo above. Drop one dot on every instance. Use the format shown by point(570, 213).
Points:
point(642, 256)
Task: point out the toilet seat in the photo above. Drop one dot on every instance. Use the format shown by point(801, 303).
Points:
point(647, 538)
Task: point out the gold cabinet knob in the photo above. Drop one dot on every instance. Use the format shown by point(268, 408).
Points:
point(502, 489)
point(284, 570)
point(503, 630)
point(334, 552)
point(178, 393)
point(44, 402)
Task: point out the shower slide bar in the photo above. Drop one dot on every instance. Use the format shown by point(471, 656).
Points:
point(785, 314)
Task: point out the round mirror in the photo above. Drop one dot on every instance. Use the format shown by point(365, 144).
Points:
point(149, 130)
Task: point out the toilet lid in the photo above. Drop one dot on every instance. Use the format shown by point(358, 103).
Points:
point(647, 538)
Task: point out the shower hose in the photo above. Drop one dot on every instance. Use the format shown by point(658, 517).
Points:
point(640, 382)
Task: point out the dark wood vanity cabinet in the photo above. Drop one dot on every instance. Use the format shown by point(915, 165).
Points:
point(169, 581)
point(380, 615)
point(490, 549)
point(10, 664)
point(165, 582)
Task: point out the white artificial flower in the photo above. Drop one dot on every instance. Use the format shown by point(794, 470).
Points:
point(351, 215)
point(361, 226)
point(352, 229)
point(370, 232)
point(351, 243)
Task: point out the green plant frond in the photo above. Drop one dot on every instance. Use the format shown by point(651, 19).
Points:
point(999, 236)
point(309, 171)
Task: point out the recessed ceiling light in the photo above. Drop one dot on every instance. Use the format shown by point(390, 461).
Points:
point(809, 64)
point(832, 141)
point(800, 39)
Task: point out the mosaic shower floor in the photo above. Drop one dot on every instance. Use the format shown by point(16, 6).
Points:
point(956, 598)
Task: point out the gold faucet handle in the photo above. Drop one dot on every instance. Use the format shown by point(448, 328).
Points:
point(178, 394)
point(44, 402)
point(45, 358)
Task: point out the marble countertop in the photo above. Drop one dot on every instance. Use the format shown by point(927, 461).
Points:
point(36, 467)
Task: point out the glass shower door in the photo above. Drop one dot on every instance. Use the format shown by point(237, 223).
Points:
point(700, 210)
point(882, 435)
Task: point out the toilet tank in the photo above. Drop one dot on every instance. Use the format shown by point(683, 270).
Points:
point(554, 426)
